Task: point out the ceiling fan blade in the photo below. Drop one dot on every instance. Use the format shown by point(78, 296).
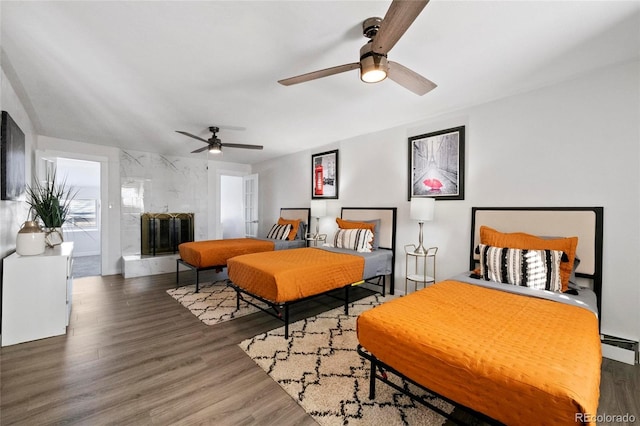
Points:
point(204, 148)
point(240, 145)
point(397, 20)
point(409, 79)
point(319, 74)
point(192, 136)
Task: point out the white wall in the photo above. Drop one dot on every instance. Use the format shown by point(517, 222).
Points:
point(576, 143)
point(14, 213)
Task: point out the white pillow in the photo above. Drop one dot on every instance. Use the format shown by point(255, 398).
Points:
point(353, 239)
point(279, 232)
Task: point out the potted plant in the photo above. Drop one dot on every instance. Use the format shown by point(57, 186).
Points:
point(49, 201)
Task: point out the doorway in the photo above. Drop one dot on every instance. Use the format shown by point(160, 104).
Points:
point(237, 205)
point(83, 225)
point(231, 214)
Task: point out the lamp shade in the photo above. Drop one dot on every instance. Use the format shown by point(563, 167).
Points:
point(318, 208)
point(422, 209)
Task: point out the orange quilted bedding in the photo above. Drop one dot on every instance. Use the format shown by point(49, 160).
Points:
point(202, 254)
point(520, 360)
point(289, 275)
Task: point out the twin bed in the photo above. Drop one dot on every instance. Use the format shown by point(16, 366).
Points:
point(280, 279)
point(213, 254)
point(520, 356)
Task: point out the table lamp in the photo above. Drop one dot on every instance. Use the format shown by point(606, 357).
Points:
point(422, 209)
point(318, 210)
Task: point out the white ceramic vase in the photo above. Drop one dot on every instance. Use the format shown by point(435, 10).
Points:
point(30, 240)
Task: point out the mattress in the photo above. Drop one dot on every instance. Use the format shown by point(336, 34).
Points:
point(517, 359)
point(290, 275)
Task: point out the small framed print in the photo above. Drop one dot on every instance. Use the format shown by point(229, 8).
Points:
point(324, 175)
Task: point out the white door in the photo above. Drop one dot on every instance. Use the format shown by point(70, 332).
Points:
point(250, 197)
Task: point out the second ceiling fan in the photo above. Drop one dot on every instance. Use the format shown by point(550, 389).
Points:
point(214, 144)
point(373, 64)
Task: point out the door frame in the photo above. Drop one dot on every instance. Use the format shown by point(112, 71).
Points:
point(104, 191)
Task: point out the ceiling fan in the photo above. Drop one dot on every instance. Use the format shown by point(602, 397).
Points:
point(373, 64)
point(214, 145)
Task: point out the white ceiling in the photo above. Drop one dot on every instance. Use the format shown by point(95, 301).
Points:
point(128, 74)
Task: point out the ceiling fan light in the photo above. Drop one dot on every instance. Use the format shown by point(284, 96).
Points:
point(215, 149)
point(373, 76)
point(373, 66)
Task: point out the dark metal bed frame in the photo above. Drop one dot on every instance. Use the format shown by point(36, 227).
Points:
point(219, 268)
point(281, 310)
point(379, 369)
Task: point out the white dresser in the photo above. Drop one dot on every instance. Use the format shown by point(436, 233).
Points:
point(36, 295)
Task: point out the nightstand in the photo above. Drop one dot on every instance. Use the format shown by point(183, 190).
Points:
point(424, 267)
point(314, 239)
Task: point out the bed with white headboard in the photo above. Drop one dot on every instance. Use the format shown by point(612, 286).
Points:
point(280, 279)
point(511, 354)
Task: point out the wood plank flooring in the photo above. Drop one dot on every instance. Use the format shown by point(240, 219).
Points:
point(133, 355)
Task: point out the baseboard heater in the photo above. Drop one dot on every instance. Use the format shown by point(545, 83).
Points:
point(619, 349)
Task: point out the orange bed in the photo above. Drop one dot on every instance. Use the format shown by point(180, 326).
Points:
point(280, 279)
point(513, 358)
point(294, 274)
point(203, 254)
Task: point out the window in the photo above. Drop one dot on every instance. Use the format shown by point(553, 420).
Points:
point(82, 214)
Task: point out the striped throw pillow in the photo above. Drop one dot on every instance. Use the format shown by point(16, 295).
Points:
point(353, 239)
point(538, 269)
point(279, 232)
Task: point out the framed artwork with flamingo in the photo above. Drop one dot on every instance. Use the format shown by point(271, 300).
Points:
point(436, 165)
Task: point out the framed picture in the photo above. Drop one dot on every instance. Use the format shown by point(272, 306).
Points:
point(324, 175)
point(12, 153)
point(436, 165)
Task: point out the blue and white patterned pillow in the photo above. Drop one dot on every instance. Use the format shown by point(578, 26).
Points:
point(538, 269)
point(279, 232)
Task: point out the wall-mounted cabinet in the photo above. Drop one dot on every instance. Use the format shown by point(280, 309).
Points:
point(36, 295)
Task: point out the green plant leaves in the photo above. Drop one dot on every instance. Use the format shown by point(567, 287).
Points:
point(50, 200)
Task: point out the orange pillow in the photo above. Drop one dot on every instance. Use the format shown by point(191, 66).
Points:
point(294, 226)
point(352, 224)
point(520, 240)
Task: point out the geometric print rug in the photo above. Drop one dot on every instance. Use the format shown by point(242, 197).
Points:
point(215, 303)
point(319, 367)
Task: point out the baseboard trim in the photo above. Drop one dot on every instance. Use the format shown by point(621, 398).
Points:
point(619, 349)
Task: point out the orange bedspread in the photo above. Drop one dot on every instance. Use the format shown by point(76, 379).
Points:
point(520, 360)
point(202, 254)
point(289, 275)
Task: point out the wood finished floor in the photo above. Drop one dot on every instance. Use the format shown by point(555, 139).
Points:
point(133, 355)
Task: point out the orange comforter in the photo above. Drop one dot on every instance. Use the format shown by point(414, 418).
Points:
point(202, 254)
point(289, 275)
point(520, 360)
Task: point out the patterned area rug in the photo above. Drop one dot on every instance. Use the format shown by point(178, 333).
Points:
point(213, 304)
point(321, 369)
